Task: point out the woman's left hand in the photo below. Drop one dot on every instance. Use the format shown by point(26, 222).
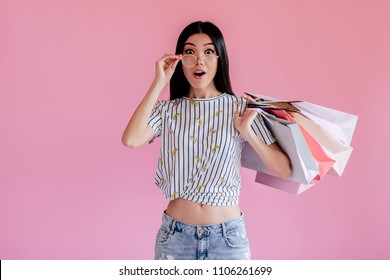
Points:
point(243, 122)
point(275, 160)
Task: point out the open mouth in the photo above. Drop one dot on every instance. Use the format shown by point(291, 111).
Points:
point(199, 73)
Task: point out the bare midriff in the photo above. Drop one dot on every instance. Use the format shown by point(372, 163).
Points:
point(198, 214)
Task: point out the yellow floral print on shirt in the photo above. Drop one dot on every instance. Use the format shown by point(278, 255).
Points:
point(175, 116)
point(214, 149)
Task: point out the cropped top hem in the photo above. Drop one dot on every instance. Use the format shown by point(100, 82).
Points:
point(218, 199)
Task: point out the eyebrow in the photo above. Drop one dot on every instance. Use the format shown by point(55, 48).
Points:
point(189, 43)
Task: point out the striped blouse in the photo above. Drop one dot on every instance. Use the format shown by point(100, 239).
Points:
point(200, 154)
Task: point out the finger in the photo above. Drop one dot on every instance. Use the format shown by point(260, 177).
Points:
point(168, 59)
point(179, 57)
point(236, 114)
point(249, 98)
point(168, 56)
point(250, 115)
point(251, 110)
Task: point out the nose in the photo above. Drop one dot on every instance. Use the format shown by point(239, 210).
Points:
point(199, 59)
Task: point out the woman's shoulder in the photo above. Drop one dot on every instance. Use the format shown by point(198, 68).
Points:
point(236, 99)
point(234, 96)
point(167, 102)
point(164, 105)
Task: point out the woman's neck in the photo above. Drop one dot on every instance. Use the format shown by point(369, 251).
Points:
point(203, 93)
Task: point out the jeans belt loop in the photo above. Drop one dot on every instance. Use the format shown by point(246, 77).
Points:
point(223, 229)
point(173, 226)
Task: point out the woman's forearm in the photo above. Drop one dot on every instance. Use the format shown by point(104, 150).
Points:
point(137, 131)
point(275, 160)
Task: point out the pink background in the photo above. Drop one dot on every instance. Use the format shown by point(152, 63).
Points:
point(72, 72)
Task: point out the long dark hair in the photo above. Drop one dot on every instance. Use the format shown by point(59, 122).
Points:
point(179, 85)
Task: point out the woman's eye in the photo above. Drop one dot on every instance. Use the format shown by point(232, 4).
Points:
point(209, 51)
point(189, 52)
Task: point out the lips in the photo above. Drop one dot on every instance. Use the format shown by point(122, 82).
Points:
point(199, 73)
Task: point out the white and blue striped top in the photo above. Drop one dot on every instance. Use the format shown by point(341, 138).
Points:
point(200, 154)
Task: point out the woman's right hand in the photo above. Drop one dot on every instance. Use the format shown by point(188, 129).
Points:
point(137, 131)
point(165, 67)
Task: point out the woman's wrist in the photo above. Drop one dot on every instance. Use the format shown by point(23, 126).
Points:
point(247, 132)
point(159, 83)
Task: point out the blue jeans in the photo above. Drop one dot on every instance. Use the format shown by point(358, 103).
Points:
point(179, 241)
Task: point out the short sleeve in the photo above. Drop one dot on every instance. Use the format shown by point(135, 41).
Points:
point(262, 131)
point(258, 125)
point(155, 119)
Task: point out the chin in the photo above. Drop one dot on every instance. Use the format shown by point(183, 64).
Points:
point(201, 84)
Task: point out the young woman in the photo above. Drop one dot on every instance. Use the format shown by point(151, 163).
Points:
point(203, 127)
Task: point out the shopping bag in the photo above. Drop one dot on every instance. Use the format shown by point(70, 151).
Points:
point(332, 129)
point(290, 139)
point(282, 184)
point(340, 124)
point(323, 161)
point(336, 149)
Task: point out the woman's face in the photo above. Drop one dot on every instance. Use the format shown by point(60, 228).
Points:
point(201, 75)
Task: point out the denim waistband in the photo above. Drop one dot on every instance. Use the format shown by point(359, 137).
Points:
point(201, 231)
